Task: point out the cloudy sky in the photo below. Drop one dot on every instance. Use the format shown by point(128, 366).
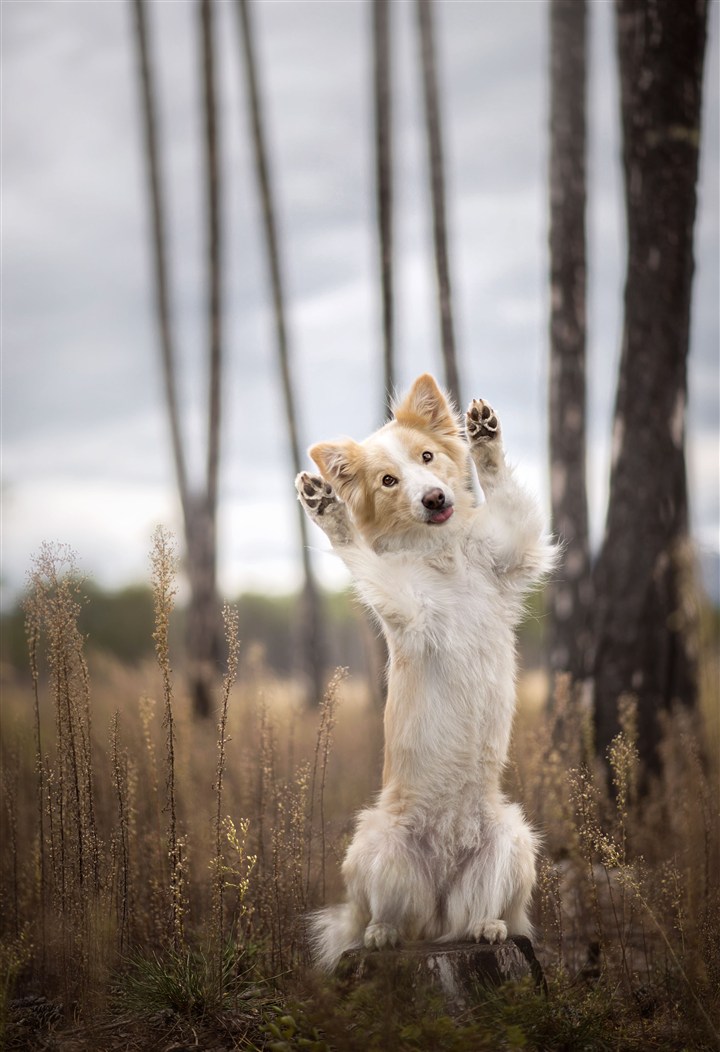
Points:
point(86, 457)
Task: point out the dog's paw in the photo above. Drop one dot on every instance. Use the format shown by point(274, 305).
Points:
point(381, 936)
point(320, 503)
point(315, 494)
point(481, 422)
point(490, 930)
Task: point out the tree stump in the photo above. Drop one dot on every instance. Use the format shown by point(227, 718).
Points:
point(455, 969)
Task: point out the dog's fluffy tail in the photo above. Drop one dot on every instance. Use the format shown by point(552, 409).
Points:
point(332, 931)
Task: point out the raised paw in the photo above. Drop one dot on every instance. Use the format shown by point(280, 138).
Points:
point(322, 506)
point(381, 936)
point(490, 930)
point(315, 494)
point(481, 422)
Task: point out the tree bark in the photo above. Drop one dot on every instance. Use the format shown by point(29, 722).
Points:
point(157, 215)
point(312, 645)
point(214, 257)
point(204, 630)
point(570, 591)
point(383, 176)
point(644, 643)
point(437, 189)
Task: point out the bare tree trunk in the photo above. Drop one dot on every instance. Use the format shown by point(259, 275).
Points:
point(162, 307)
point(570, 592)
point(313, 649)
point(437, 186)
point(644, 645)
point(204, 631)
point(214, 319)
point(203, 628)
point(384, 195)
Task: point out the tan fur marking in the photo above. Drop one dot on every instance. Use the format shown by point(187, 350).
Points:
point(425, 407)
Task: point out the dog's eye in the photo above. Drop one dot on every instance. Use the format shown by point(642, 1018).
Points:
point(389, 480)
point(427, 456)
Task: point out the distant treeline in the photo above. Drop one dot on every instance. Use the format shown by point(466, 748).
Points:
point(121, 623)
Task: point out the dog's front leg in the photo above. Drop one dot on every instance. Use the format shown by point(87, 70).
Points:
point(513, 529)
point(484, 436)
point(324, 509)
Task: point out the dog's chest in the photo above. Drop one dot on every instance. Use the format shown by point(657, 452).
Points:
point(453, 606)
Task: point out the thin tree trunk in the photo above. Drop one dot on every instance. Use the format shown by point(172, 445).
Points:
point(644, 643)
point(313, 649)
point(383, 174)
point(162, 307)
point(214, 320)
point(437, 187)
point(570, 592)
point(203, 634)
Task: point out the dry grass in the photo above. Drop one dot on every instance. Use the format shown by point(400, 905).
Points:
point(166, 863)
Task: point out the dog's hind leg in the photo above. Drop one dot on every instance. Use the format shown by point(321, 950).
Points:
point(490, 897)
point(384, 872)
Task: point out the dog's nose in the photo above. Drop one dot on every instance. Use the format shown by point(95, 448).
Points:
point(434, 499)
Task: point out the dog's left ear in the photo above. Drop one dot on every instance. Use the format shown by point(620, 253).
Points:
point(426, 407)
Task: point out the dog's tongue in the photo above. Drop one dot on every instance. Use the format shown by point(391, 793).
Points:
point(443, 515)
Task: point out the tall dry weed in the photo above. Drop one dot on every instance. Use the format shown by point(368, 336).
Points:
point(134, 832)
point(64, 779)
point(629, 879)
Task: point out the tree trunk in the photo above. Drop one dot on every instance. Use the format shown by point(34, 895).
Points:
point(162, 305)
point(214, 258)
point(644, 646)
point(437, 187)
point(204, 626)
point(383, 170)
point(570, 592)
point(312, 646)
point(204, 629)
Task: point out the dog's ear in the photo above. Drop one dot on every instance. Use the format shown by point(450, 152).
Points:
point(339, 462)
point(426, 407)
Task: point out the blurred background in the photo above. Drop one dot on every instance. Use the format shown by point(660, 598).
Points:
point(87, 453)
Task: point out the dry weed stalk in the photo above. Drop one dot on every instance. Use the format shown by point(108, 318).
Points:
point(122, 883)
point(52, 612)
point(164, 567)
point(32, 633)
point(323, 745)
point(9, 787)
point(231, 621)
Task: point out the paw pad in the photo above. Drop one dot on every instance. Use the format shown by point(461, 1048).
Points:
point(481, 421)
point(314, 492)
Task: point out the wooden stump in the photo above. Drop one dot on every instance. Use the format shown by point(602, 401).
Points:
point(455, 969)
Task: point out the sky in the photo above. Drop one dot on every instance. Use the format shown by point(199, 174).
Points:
point(85, 442)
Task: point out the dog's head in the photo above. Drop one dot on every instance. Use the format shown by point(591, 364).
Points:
point(408, 476)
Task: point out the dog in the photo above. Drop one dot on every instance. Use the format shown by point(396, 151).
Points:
point(443, 855)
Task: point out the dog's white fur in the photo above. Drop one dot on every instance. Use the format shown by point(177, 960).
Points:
point(442, 855)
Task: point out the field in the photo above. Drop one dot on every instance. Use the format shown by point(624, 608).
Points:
point(156, 871)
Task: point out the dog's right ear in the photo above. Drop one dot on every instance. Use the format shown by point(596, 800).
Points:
point(339, 462)
point(427, 408)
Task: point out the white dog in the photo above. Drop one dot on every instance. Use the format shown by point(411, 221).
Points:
point(442, 855)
